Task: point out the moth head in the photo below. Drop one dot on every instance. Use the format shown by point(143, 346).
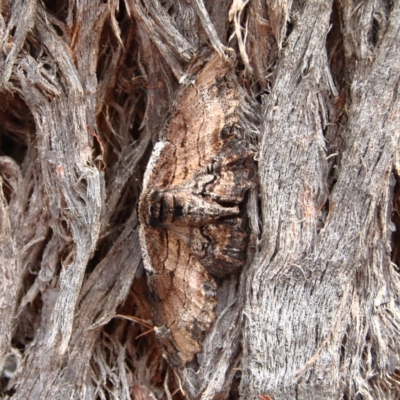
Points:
point(160, 208)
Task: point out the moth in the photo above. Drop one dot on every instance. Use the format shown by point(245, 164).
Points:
point(192, 228)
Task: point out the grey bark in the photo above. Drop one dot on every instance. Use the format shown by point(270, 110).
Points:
point(84, 90)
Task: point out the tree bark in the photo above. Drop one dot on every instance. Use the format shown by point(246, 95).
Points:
point(85, 88)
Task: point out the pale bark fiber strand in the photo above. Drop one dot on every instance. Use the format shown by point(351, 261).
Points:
point(337, 287)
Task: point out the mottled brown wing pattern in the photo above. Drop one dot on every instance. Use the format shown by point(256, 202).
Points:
point(182, 296)
point(195, 128)
point(192, 227)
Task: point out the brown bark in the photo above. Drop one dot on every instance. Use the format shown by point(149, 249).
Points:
point(85, 88)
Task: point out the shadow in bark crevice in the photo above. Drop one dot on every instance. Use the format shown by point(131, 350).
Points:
point(17, 127)
point(396, 221)
point(58, 8)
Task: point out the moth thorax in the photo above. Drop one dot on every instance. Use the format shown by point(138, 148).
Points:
point(184, 209)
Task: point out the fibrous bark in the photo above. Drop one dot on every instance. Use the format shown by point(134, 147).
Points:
point(85, 89)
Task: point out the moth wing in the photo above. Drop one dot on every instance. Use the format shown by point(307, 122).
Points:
point(220, 247)
point(160, 168)
point(200, 113)
point(226, 252)
point(228, 177)
point(232, 170)
point(182, 295)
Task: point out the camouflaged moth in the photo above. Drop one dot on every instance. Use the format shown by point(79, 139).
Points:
point(191, 223)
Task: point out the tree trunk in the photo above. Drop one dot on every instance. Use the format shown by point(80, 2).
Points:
point(85, 90)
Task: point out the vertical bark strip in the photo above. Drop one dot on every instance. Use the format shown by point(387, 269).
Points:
point(292, 171)
point(332, 285)
point(9, 274)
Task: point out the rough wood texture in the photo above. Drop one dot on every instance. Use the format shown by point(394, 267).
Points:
point(86, 93)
